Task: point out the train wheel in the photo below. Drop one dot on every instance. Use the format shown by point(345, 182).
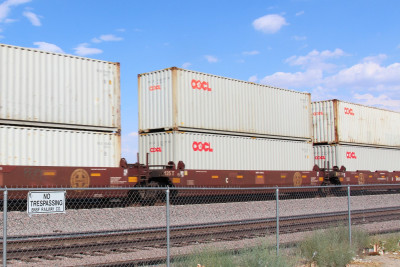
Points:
point(149, 197)
point(324, 191)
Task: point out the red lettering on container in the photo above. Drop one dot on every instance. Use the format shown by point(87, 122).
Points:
point(348, 111)
point(318, 113)
point(202, 146)
point(351, 155)
point(319, 157)
point(201, 85)
point(155, 149)
point(155, 87)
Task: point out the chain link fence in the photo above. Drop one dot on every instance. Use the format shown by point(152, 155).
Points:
point(163, 226)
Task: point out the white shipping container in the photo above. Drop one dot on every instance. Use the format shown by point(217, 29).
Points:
point(355, 157)
point(182, 99)
point(225, 152)
point(336, 121)
point(54, 147)
point(48, 89)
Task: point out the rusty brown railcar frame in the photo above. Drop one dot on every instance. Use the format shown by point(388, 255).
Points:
point(133, 175)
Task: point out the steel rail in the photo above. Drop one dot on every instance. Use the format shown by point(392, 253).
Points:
point(181, 235)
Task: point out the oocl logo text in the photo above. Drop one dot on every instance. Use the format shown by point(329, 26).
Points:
point(155, 87)
point(349, 111)
point(155, 149)
point(319, 157)
point(318, 113)
point(351, 155)
point(202, 146)
point(201, 85)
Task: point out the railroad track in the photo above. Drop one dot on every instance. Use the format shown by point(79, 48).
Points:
point(26, 247)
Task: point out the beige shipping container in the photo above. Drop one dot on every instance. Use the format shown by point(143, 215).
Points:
point(355, 157)
point(181, 99)
point(204, 151)
point(339, 122)
point(54, 147)
point(39, 88)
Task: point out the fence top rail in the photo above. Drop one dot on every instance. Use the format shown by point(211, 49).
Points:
point(191, 188)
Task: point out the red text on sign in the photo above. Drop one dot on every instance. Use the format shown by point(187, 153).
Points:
point(349, 111)
point(201, 85)
point(351, 155)
point(155, 87)
point(202, 146)
point(319, 157)
point(155, 149)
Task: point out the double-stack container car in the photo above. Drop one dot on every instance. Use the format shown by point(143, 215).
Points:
point(221, 124)
point(356, 136)
point(60, 127)
point(58, 109)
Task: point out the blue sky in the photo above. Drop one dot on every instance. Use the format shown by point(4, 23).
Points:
point(348, 50)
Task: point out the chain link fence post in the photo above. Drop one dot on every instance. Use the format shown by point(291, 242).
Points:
point(168, 225)
point(349, 212)
point(277, 221)
point(5, 196)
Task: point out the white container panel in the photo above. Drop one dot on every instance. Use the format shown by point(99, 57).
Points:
point(40, 88)
point(225, 152)
point(342, 122)
point(181, 99)
point(357, 157)
point(54, 147)
point(324, 122)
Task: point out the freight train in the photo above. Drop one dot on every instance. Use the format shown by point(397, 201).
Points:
point(176, 176)
point(207, 131)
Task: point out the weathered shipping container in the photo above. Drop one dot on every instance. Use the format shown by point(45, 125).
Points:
point(39, 88)
point(338, 122)
point(355, 157)
point(54, 147)
point(176, 99)
point(225, 152)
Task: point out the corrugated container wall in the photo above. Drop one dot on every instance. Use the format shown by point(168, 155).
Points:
point(58, 90)
point(53, 147)
point(355, 157)
point(225, 152)
point(181, 99)
point(336, 121)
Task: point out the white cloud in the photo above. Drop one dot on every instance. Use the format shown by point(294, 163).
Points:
point(251, 53)
point(96, 40)
point(120, 30)
point(307, 79)
point(253, 79)
point(269, 23)
point(357, 82)
point(48, 47)
point(7, 21)
point(5, 7)
point(300, 13)
point(211, 59)
point(299, 38)
point(84, 50)
point(186, 65)
point(33, 18)
point(367, 75)
point(134, 134)
point(375, 59)
point(107, 38)
point(1, 36)
point(316, 59)
point(379, 101)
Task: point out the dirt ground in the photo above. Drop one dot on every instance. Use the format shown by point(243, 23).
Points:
point(385, 260)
